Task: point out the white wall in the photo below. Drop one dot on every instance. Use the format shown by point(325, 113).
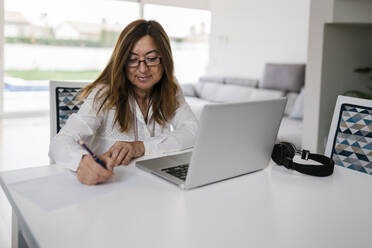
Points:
point(334, 51)
point(245, 34)
point(346, 47)
point(356, 11)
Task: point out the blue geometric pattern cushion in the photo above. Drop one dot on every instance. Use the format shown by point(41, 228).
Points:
point(353, 141)
point(67, 104)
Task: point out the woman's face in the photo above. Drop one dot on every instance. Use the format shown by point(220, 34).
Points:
point(144, 68)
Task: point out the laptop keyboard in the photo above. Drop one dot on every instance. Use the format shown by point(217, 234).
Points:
point(179, 171)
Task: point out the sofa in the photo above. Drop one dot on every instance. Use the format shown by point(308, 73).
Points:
point(278, 80)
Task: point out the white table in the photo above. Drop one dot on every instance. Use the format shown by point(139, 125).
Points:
point(270, 208)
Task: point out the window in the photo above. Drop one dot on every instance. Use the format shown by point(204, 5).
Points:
point(57, 40)
point(73, 40)
point(189, 31)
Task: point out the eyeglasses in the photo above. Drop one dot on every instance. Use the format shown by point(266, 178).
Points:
point(149, 61)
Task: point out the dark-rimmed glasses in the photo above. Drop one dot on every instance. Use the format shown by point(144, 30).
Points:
point(149, 61)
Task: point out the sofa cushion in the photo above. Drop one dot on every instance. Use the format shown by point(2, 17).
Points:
point(198, 87)
point(233, 93)
point(196, 105)
point(287, 77)
point(208, 91)
point(262, 94)
point(188, 89)
point(211, 79)
point(248, 82)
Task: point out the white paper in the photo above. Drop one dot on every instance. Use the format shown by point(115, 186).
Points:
point(64, 189)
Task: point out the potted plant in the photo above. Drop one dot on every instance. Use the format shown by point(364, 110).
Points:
point(361, 94)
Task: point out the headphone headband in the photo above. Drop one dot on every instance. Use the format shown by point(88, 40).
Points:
point(284, 152)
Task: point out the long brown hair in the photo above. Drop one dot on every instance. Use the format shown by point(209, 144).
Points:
point(118, 89)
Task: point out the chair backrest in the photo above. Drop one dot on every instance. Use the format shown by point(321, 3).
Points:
point(350, 136)
point(63, 102)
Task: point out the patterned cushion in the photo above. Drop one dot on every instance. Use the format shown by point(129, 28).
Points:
point(352, 147)
point(67, 104)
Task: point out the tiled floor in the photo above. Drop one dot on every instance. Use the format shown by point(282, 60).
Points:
point(23, 143)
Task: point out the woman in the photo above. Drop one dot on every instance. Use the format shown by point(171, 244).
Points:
point(134, 108)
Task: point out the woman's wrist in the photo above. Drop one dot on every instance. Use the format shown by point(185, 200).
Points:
point(140, 148)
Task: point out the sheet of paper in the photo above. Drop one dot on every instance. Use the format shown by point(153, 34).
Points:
point(163, 155)
point(63, 189)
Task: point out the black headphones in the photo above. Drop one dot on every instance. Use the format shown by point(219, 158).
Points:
point(284, 152)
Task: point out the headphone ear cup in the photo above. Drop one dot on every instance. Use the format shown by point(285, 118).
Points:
point(283, 153)
point(277, 155)
point(289, 150)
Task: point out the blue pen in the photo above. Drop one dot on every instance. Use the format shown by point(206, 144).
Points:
point(100, 162)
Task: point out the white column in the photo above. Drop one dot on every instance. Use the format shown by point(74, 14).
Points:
point(141, 9)
point(15, 230)
point(321, 12)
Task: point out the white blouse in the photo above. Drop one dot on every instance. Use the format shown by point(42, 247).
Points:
point(98, 132)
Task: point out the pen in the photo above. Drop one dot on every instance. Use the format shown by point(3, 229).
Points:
point(100, 162)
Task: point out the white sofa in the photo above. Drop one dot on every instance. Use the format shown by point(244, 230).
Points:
point(233, 89)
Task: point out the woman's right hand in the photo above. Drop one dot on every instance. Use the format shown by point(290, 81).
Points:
point(91, 173)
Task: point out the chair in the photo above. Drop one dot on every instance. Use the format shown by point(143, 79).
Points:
point(350, 137)
point(63, 102)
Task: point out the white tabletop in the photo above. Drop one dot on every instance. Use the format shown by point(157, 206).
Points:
point(274, 207)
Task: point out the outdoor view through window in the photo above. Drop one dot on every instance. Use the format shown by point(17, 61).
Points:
point(73, 40)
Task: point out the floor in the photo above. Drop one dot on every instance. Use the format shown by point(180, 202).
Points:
point(23, 143)
point(30, 101)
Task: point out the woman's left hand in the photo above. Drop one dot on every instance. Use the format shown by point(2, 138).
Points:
point(123, 152)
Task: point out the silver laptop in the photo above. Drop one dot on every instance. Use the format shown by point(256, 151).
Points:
point(234, 139)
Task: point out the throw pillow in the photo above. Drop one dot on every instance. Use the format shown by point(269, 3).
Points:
point(298, 109)
point(286, 77)
point(291, 100)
